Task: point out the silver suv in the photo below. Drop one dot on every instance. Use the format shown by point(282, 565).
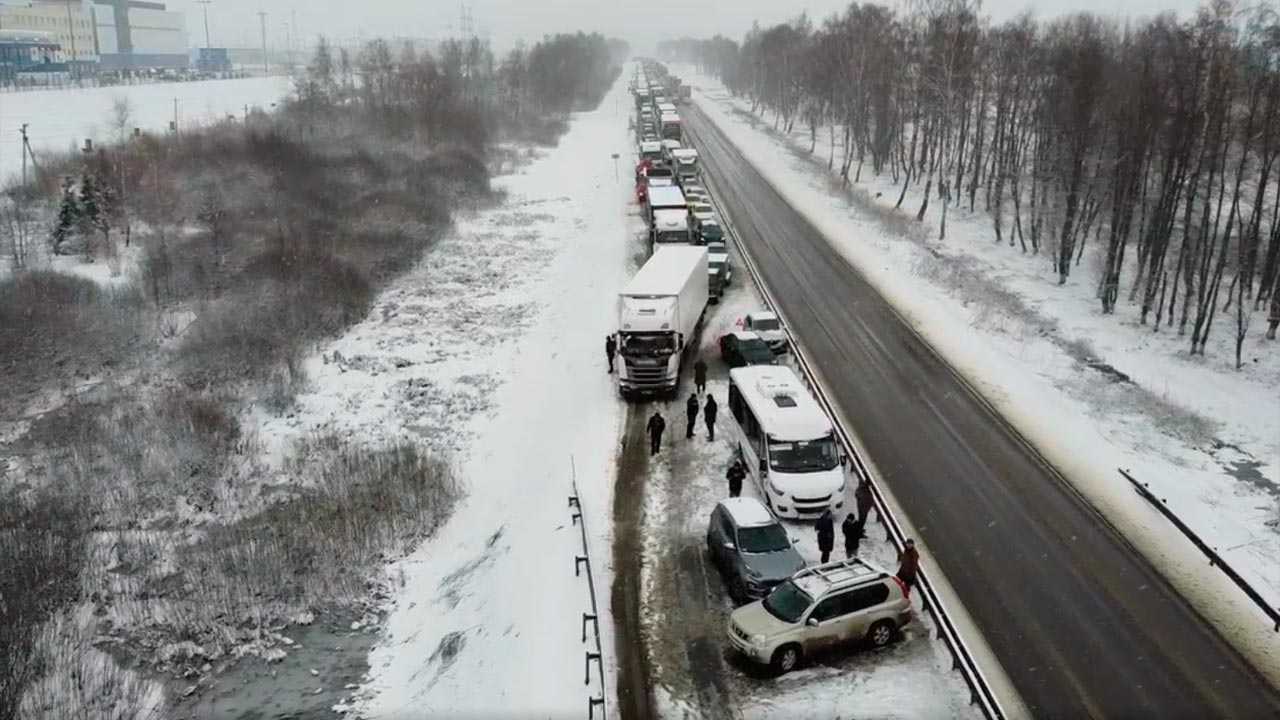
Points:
point(750, 547)
point(819, 608)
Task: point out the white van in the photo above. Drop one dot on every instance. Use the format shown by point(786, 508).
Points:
point(786, 441)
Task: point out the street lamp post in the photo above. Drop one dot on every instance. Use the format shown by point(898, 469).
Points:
point(205, 3)
point(262, 17)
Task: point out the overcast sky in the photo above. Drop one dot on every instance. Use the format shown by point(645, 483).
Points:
point(643, 22)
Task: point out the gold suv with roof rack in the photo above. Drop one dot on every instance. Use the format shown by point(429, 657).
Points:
point(820, 608)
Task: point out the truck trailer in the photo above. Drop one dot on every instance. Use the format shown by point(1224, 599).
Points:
point(659, 320)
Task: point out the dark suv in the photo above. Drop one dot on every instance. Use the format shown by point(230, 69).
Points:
point(745, 348)
point(750, 548)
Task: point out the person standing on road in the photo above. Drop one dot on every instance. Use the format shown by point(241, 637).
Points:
point(852, 530)
point(700, 376)
point(655, 427)
point(908, 563)
point(691, 411)
point(709, 414)
point(826, 534)
point(737, 473)
point(610, 348)
point(862, 497)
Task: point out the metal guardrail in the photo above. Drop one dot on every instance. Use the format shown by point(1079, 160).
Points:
point(980, 692)
point(1215, 560)
point(593, 617)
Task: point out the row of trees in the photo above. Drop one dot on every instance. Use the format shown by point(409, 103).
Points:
point(461, 91)
point(1158, 138)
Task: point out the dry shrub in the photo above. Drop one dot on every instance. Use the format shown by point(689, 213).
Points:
point(137, 460)
point(56, 327)
point(74, 680)
point(360, 507)
point(284, 300)
point(42, 552)
point(541, 130)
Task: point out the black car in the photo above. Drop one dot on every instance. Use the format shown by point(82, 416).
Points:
point(711, 233)
point(745, 348)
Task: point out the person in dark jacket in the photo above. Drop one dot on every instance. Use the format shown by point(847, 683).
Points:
point(862, 497)
point(691, 411)
point(826, 534)
point(700, 376)
point(655, 428)
point(709, 414)
point(610, 348)
point(852, 530)
point(908, 563)
point(737, 473)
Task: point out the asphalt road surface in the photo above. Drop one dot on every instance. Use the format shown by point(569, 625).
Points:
point(1082, 624)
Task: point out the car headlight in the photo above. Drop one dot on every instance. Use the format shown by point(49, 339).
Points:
point(757, 639)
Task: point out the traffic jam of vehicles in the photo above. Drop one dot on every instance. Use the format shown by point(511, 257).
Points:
point(785, 443)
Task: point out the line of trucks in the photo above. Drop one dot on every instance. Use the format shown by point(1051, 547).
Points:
point(660, 311)
point(783, 436)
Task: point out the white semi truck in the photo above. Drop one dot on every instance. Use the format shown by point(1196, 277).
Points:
point(660, 318)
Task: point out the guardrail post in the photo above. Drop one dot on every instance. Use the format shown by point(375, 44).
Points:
point(586, 680)
point(578, 562)
point(576, 517)
point(589, 618)
point(591, 706)
point(573, 501)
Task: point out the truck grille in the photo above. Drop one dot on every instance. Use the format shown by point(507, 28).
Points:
point(646, 374)
point(738, 631)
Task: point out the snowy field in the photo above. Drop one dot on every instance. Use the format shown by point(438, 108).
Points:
point(1048, 359)
point(60, 120)
point(492, 350)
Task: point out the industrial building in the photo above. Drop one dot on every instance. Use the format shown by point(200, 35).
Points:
point(120, 35)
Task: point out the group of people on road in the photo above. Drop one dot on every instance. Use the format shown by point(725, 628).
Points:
point(854, 529)
point(657, 424)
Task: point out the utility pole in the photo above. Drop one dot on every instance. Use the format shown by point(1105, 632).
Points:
point(71, 28)
point(293, 25)
point(24, 154)
point(262, 18)
point(205, 3)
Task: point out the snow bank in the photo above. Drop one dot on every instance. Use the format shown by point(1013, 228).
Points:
point(489, 619)
point(1084, 426)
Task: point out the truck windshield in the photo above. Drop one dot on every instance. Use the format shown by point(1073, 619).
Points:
point(804, 455)
point(648, 345)
point(788, 602)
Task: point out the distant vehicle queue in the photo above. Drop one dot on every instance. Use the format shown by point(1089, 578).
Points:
point(785, 442)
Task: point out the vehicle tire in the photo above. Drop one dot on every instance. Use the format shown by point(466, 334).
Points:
point(785, 659)
point(881, 633)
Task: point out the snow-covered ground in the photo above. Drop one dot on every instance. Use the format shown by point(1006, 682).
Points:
point(1204, 435)
point(492, 349)
point(60, 120)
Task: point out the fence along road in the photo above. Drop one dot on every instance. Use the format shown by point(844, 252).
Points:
point(1082, 624)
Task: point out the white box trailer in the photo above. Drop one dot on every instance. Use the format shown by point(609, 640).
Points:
point(666, 197)
point(660, 318)
point(670, 227)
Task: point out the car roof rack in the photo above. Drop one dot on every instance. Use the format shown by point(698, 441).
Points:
point(842, 573)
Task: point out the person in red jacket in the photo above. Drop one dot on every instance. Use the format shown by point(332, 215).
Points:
point(908, 563)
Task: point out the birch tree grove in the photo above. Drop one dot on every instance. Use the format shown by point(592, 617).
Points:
point(1151, 147)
